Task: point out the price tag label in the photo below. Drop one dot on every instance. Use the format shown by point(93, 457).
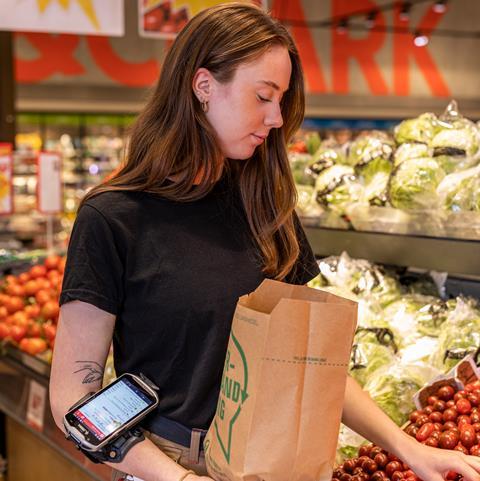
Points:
point(6, 186)
point(49, 183)
point(37, 397)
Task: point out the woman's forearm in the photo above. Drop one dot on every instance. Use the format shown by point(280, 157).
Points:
point(361, 414)
point(146, 461)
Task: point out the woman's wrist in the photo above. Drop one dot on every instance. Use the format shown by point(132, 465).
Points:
point(404, 446)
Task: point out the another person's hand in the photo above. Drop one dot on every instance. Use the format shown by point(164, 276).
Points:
point(433, 464)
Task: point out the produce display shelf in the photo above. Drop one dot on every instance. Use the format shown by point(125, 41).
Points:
point(19, 375)
point(458, 257)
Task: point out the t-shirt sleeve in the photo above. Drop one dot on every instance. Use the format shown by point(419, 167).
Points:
point(306, 268)
point(94, 269)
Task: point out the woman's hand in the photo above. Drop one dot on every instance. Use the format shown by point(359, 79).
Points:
point(194, 477)
point(433, 464)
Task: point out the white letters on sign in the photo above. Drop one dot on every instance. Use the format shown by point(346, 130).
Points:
point(49, 183)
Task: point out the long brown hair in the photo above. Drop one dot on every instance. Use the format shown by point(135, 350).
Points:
point(172, 136)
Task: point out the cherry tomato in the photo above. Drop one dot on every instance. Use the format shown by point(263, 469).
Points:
point(42, 296)
point(475, 417)
point(50, 310)
point(459, 395)
point(440, 406)
point(381, 459)
point(14, 304)
point(463, 419)
point(449, 415)
point(31, 287)
point(23, 277)
point(449, 425)
point(432, 400)
point(17, 333)
point(397, 476)
point(33, 345)
point(431, 442)
point(436, 417)
point(52, 262)
point(4, 330)
point(448, 440)
point(38, 271)
point(476, 426)
point(414, 416)
point(475, 450)
point(463, 406)
point(425, 431)
point(421, 420)
point(461, 448)
point(446, 393)
point(467, 435)
point(474, 399)
point(374, 451)
point(391, 467)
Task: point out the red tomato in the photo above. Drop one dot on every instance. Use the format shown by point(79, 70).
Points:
point(425, 431)
point(475, 450)
point(17, 333)
point(50, 310)
point(38, 271)
point(32, 310)
point(467, 436)
point(52, 261)
point(463, 406)
point(3, 312)
point(34, 329)
point(23, 277)
point(53, 274)
point(14, 304)
point(20, 318)
point(15, 290)
point(49, 331)
point(446, 393)
point(42, 296)
point(33, 345)
point(44, 283)
point(11, 279)
point(31, 288)
point(4, 330)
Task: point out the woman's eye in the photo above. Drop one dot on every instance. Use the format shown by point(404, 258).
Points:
point(262, 99)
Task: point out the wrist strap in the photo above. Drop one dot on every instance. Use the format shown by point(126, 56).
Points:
point(187, 473)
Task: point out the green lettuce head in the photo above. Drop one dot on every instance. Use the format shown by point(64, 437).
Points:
point(420, 129)
point(411, 151)
point(413, 184)
point(337, 187)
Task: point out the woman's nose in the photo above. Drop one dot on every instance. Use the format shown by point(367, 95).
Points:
point(274, 117)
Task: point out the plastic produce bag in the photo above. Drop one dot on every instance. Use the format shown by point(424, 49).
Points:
point(372, 349)
point(461, 191)
point(411, 151)
point(420, 129)
point(394, 385)
point(337, 187)
point(413, 184)
point(459, 335)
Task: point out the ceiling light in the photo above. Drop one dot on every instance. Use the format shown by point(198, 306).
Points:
point(420, 40)
point(440, 6)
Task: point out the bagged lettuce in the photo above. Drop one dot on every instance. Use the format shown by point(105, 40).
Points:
point(372, 349)
point(456, 145)
point(411, 151)
point(325, 157)
point(413, 184)
point(461, 191)
point(298, 164)
point(312, 141)
point(337, 188)
point(393, 386)
point(459, 335)
point(421, 129)
point(416, 315)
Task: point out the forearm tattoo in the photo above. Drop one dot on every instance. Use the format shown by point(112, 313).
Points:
point(93, 371)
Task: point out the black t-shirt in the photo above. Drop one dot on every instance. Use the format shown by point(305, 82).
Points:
point(172, 273)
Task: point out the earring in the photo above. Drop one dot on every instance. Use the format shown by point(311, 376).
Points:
point(205, 105)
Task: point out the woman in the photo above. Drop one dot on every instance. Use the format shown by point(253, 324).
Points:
point(199, 215)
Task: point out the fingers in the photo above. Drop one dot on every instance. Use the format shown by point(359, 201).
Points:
point(474, 462)
point(468, 467)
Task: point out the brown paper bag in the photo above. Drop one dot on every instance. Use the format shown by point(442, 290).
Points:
point(283, 386)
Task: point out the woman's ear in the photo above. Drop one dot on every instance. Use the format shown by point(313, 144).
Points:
point(202, 84)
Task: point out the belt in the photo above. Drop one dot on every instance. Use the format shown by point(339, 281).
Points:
point(177, 433)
